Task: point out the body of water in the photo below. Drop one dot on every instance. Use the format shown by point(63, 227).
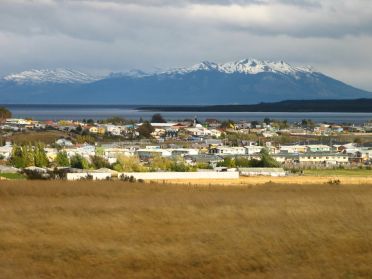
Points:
point(96, 112)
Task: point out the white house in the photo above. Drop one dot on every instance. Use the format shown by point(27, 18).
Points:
point(6, 150)
point(318, 148)
point(253, 149)
point(113, 130)
point(293, 148)
point(323, 158)
point(227, 150)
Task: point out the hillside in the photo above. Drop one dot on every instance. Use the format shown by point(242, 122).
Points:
point(246, 81)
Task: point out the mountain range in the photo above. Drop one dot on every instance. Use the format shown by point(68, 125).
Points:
point(246, 81)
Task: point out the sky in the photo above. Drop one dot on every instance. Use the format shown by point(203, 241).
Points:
point(100, 36)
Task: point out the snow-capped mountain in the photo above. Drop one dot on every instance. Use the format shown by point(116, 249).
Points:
point(59, 75)
point(244, 66)
point(246, 81)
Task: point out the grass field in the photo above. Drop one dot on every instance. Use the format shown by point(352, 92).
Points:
point(47, 137)
point(339, 172)
point(116, 230)
point(12, 176)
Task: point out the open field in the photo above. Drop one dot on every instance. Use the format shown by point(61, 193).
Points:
point(339, 172)
point(55, 229)
point(47, 137)
point(288, 180)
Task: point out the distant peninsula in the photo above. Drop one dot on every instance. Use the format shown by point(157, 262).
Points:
point(355, 106)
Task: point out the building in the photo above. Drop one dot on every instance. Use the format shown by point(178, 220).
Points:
point(262, 172)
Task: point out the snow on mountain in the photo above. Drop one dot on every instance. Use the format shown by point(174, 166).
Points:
point(52, 76)
point(245, 66)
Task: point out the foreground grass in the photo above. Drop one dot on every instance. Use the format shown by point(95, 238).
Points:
point(115, 230)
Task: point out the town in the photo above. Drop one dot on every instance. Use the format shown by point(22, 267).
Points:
point(158, 149)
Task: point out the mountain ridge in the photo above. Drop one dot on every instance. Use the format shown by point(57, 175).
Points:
point(245, 81)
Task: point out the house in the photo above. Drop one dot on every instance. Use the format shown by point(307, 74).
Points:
point(112, 153)
point(64, 142)
point(209, 159)
point(323, 158)
point(318, 148)
point(18, 121)
point(293, 148)
point(101, 130)
point(227, 150)
point(113, 130)
point(93, 130)
point(253, 149)
point(184, 151)
point(262, 172)
point(6, 151)
point(153, 151)
point(201, 131)
point(85, 150)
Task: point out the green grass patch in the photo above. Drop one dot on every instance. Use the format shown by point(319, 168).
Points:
point(338, 172)
point(13, 175)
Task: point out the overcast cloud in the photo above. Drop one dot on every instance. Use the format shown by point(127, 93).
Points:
point(334, 36)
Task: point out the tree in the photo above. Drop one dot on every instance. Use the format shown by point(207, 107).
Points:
point(4, 114)
point(40, 157)
point(115, 120)
point(267, 121)
point(79, 162)
point(128, 164)
point(99, 162)
point(16, 158)
point(62, 159)
point(158, 118)
point(145, 129)
point(267, 161)
point(357, 140)
point(27, 156)
point(160, 163)
point(228, 124)
point(85, 139)
point(307, 123)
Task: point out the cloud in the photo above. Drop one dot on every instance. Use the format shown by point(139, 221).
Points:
point(118, 35)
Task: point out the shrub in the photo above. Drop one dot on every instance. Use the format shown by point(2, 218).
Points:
point(79, 162)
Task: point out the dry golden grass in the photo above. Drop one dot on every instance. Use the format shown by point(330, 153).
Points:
point(259, 180)
point(116, 230)
point(47, 137)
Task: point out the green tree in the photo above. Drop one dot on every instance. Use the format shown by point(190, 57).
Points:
point(145, 129)
point(228, 124)
point(16, 158)
point(40, 157)
point(158, 118)
point(228, 162)
point(129, 164)
point(22, 156)
point(307, 123)
point(99, 162)
point(62, 159)
point(4, 114)
point(79, 162)
point(267, 160)
point(28, 155)
point(85, 139)
point(115, 120)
